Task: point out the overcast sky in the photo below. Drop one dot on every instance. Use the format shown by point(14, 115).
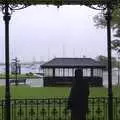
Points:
point(42, 33)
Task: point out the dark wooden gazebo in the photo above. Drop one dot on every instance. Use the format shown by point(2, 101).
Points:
point(61, 71)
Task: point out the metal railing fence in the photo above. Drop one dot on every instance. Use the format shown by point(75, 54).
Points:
point(55, 109)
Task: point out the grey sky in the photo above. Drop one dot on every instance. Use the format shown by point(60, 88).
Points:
point(41, 33)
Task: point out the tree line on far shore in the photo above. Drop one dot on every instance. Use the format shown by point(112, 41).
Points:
point(104, 61)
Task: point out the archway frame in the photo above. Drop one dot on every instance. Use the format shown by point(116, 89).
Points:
point(8, 6)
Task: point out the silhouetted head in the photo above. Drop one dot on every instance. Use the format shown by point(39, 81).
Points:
point(78, 73)
point(79, 81)
point(78, 77)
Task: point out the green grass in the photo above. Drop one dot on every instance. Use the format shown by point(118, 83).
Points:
point(35, 92)
point(49, 92)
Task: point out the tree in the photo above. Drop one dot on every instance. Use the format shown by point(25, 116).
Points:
point(100, 21)
point(15, 69)
point(104, 60)
point(116, 45)
point(115, 24)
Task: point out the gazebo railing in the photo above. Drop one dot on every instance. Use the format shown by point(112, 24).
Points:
point(55, 109)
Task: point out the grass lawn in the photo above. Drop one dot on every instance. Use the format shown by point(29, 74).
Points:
point(49, 92)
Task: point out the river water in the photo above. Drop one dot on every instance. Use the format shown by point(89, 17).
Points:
point(26, 69)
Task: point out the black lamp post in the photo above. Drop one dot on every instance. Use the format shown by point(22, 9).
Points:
point(108, 16)
point(110, 96)
point(7, 10)
point(6, 18)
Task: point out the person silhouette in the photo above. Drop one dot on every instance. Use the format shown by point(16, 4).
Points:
point(78, 98)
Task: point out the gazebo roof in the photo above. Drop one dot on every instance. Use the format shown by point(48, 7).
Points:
point(72, 62)
point(57, 2)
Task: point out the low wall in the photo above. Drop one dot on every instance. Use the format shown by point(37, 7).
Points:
point(51, 81)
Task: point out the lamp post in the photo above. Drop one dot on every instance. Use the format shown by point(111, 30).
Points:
point(7, 10)
point(6, 18)
point(110, 96)
point(108, 16)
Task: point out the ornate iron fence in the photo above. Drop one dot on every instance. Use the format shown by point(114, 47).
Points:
point(55, 109)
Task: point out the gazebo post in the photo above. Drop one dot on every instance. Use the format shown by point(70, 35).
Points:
point(91, 72)
point(7, 10)
point(6, 18)
point(108, 18)
point(53, 72)
point(110, 96)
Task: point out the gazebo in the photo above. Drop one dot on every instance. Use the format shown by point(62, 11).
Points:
point(61, 71)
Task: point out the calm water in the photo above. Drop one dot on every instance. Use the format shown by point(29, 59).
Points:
point(25, 69)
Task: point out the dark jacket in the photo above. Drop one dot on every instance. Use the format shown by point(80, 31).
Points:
point(78, 98)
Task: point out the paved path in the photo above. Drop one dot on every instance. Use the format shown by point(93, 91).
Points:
point(31, 82)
